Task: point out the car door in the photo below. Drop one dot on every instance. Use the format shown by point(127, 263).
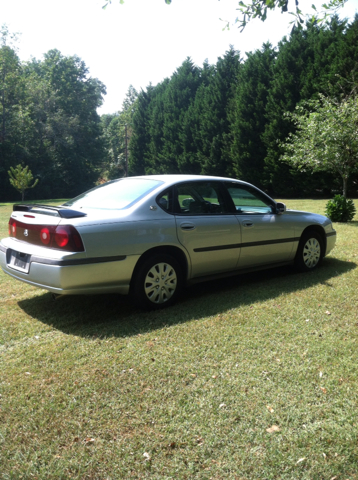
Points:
point(267, 237)
point(205, 227)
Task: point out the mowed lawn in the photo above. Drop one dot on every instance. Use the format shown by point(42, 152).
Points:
point(251, 377)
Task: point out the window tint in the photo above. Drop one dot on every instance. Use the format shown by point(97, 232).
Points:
point(248, 200)
point(115, 195)
point(165, 200)
point(195, 198)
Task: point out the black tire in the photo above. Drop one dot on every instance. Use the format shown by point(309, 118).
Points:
point(310, 252)
point(157, 283)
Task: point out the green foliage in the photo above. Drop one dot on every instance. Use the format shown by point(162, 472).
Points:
point(211, 116)
point(224, 119)
point(15, 122)
point(49, 121)
point(139, 144)
point(182, 125)
point(252, 9)
point(228, 118)
point(162, 142)
point(67, 146)
point(117, 131)
point(306, 64)
point(340, 209)
point(326, 137)
point(248, 117)
point(20, 178)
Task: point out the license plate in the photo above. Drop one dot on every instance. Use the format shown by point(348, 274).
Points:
point(20, 261)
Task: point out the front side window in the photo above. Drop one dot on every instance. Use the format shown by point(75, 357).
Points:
point(248, 200)
point(200, 198)
point(115, 195)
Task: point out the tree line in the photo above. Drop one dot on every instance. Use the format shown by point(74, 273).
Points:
point(49, 121)
point(226, 119)
point(229, 118)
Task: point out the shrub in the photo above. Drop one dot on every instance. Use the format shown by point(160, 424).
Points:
point(340, 209)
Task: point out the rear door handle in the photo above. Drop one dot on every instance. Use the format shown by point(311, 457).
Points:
point(187, 226)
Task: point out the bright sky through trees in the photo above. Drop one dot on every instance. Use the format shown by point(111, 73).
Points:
point(141, 41)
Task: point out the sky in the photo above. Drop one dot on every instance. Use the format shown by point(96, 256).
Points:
point(141, 41)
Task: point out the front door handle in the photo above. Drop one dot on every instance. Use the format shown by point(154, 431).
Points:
point(187, 226)
point(248, 223)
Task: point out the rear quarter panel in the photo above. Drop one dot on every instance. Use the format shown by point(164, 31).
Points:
point(127, 237)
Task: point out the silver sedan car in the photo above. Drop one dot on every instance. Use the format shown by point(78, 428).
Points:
point(148, 236)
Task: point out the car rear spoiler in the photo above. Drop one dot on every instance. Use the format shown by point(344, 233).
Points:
point(61, 211)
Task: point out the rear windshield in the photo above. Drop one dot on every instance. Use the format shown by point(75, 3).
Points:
point(115, 195)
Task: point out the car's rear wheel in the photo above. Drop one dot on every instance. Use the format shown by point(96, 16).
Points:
point(157, 282)
point(310, 251)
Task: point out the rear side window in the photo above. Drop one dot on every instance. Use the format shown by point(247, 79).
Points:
point(200, 198)
point(165, 200)
point(116, 195)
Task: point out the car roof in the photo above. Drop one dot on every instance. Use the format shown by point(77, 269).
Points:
point(170, 179)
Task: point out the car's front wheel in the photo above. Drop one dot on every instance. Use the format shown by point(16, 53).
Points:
point(310, 251)
point(157, 282)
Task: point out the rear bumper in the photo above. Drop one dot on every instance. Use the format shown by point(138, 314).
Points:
point(74, 277)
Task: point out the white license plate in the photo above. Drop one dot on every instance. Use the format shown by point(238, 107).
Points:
point(20, 261)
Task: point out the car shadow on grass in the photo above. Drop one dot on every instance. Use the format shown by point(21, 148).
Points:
point(106, 316)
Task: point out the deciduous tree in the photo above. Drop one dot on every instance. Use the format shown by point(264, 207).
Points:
point(251, 9)
point(68, 135)
point(20, 178)
point(326, 137)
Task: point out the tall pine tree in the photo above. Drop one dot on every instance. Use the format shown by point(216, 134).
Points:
point(248, 115)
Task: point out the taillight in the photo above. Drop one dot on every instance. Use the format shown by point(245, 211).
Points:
point(61, 237)
point(45, 236)
point(12, 228)
point(66, 237)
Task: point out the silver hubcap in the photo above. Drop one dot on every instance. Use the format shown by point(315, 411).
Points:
point(311, 252)
point(160, 283)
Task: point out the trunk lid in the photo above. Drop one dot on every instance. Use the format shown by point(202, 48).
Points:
point(39, 225)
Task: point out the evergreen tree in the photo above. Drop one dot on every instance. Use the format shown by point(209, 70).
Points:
point(140, 139)
point(116, 128)
point(112, 145)
point(154, 156)
point(306, 65)
point(214, 103)
point(228, 118)
point(177, 98)
point(285, 92)
point(193, 133)
point(248, 115)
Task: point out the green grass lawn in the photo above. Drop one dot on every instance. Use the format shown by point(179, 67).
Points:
point(252, 377)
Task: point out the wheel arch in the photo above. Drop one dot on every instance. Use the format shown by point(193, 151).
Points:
point(321, 231)
point(175, 252)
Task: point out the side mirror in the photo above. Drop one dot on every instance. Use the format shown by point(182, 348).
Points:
point(280, 208)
